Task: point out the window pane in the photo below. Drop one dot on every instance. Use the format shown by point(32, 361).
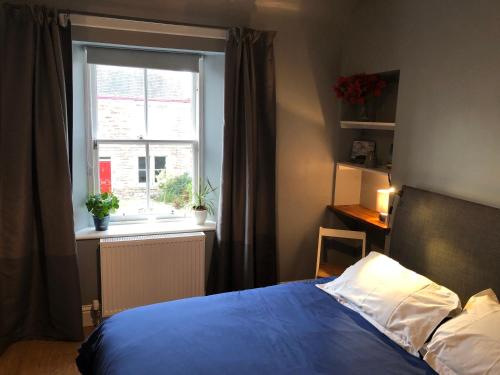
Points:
point(171, 104)
point(142, 162)
point(120, 102)
point(159, 162)
point(125, 176)
point(171, 190)
point(142, 176)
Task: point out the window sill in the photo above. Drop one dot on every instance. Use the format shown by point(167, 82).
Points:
point(137, 229)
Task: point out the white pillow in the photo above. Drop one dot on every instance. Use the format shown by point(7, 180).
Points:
point(400, 303)
point(469, 343)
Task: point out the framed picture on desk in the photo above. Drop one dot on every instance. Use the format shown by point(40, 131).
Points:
point(360, 150)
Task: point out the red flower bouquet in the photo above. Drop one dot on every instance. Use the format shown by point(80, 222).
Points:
point(357, 88)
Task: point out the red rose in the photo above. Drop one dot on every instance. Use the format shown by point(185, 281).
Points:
point(356, 88)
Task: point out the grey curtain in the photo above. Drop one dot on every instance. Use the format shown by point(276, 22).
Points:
point(39, 287)
point(245, 254)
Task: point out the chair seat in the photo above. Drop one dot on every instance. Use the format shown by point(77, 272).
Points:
point(327, 270)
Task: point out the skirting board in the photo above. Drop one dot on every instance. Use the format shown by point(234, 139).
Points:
point(87, 316)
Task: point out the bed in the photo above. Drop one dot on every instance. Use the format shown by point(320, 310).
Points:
point(296, 328)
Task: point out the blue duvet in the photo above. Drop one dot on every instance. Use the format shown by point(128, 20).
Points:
point(292, 328)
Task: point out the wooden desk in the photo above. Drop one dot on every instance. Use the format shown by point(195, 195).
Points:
point(362, 214)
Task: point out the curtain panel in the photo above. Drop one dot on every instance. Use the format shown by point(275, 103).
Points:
point(245, 252)
point(39, 284)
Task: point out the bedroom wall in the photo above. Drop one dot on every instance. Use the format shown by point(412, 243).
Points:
point(448, 115)
point(307, 52)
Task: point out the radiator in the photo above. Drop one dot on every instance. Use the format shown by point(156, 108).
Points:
point(142, 270)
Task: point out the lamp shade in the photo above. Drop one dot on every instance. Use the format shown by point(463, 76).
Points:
point(383, 196)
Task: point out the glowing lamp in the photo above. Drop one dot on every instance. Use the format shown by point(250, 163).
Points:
point(383, 197)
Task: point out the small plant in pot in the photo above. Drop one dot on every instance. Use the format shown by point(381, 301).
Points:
point(202, 204)
point(100, 206)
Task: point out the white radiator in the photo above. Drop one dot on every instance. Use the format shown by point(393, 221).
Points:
point(141, 270)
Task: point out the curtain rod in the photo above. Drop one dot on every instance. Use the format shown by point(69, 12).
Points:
point(112, 23)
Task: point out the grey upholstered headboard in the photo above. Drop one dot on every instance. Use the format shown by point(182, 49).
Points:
point(451, 241)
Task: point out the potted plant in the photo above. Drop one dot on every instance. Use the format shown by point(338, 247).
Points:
point(100, 206)
point(202, 205)
point(357, 90)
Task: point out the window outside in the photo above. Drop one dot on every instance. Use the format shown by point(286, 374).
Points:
point(145, 138)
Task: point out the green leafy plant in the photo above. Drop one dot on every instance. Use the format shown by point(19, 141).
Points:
point(177, 191)
point(101, 205)
point(201, 201)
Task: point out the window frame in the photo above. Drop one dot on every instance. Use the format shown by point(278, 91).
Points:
point(90, 92)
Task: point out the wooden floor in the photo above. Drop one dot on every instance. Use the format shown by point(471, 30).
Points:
point(40, 358)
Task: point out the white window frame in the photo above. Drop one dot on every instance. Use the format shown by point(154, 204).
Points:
point(92, 142)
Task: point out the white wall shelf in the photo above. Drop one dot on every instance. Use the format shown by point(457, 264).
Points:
point(367, 125)
point(379, 170)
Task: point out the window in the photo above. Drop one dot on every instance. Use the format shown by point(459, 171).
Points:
point(159, 167)
point(145, 137)
point(142, 169)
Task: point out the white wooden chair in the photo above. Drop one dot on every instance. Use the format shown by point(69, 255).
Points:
point(338, 233)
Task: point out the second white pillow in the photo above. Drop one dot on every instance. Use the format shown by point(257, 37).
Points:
point(469, 343)
point(400, 303)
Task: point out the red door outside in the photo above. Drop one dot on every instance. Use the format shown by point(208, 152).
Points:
point(105, 175)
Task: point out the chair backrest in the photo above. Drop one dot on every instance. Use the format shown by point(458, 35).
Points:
point(338, 233)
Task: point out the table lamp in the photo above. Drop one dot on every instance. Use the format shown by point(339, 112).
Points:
point(383, 197)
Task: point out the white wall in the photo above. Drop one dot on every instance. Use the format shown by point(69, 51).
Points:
point(448, 117)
